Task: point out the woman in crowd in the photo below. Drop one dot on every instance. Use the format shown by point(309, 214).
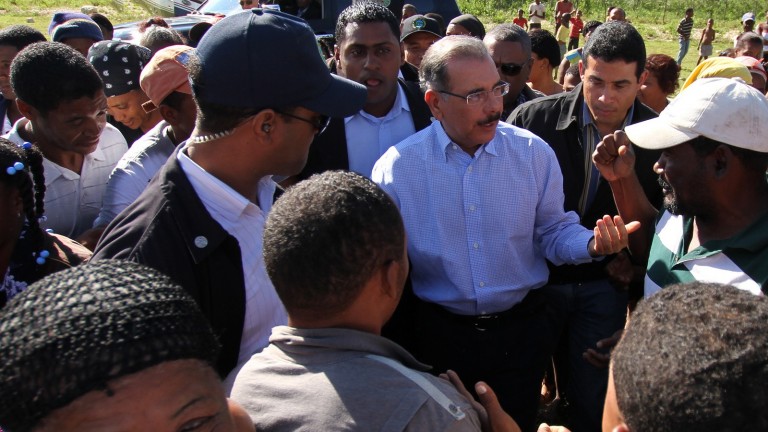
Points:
point(113, 346)
point(663, 73)
point(545, 53)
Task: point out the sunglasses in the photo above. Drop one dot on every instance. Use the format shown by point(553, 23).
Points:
point(320, 123)
point(510, 69)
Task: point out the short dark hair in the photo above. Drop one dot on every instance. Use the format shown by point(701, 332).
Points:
point(46, 73)
point(365, 12)
point(694, 358)
point(508, 32)
point(590, 26)
point(157, 38)
point(616, 40)
point(544, 44)
point(20, 36)
point(102, 21)
point(690, 9)
point(326, 237)
point(213, 117)
point(747, 39)
point(666, 70)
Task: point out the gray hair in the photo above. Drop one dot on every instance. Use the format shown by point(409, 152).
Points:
point(433, 72)
point(509, 33)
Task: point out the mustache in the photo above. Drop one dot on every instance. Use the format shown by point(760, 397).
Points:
point(489, 119)
point(664, 184)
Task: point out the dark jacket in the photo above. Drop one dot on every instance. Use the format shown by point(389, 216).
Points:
point(556, 120)
point(168, 228)
point(329, 149)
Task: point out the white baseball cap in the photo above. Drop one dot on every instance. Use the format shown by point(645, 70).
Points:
point(722, 109)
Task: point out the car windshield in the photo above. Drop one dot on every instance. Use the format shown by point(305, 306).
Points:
point(219, 7)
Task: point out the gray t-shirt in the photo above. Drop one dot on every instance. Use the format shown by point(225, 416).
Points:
point(335, 380)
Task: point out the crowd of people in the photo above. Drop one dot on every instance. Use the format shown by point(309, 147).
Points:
point(440, 227)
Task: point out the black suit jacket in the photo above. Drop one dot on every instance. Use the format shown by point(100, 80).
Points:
point(329, 149)
point(555, 119)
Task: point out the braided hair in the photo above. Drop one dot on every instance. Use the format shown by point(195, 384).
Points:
point(31, 185)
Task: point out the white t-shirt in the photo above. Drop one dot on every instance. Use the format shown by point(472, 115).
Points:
point(539, 9)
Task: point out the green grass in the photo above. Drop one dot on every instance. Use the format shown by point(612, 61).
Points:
point(38, 13)
point(652, 20)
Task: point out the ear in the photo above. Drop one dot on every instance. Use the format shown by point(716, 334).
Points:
point(26, 110)
point(722, 157)
point(264, 124)
point(434, 100)
point(336, 55)
point(169, 114)
point(643, 77)
point(391, 283)
point(621, 428)
point(582, 69)
point(17, 201)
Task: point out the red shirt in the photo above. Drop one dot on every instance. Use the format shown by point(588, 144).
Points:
point(576, 25)
point(522, 22)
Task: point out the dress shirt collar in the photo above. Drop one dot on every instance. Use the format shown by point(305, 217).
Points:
point(400, 105)
point(224, 200)
point(444, 141)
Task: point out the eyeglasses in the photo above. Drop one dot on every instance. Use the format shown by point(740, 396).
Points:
point(482, 96)
point(510, 69)
point(246, 2)
point(320, 123)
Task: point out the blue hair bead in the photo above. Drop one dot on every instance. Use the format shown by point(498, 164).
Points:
point(44, 253)
point(26, 146)
point(16, 167)
point(40, 260)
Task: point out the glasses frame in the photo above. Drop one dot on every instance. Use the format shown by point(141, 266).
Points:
point(320, 124)
point(479, 97)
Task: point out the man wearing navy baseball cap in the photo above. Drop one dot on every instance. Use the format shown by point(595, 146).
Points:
point(263, 92)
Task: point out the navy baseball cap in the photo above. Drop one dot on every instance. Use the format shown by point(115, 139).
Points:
point(262, 58)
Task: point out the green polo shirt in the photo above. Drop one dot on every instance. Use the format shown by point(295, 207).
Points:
point(741, 260)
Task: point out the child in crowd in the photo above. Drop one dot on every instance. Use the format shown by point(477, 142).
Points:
point(563, 32)
point(520, 20)
point(576, 25)
point(705, 41)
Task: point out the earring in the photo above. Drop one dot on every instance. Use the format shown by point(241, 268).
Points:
point(266, 127)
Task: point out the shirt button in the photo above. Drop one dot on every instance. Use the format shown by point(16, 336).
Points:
point(472, 207)
point(455, 147)
point(469, 169)
point(201, 242)
point(475, 245)
point(482, 284)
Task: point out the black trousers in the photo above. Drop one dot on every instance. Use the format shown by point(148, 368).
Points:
point(509, 350)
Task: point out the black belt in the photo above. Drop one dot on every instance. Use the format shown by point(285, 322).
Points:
point(491, 321)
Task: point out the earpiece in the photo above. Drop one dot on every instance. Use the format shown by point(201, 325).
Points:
point(266, 127)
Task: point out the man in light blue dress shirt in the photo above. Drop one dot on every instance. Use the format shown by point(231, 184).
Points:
point(482, 203)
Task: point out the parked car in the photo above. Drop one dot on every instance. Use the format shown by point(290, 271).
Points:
point(193, 12)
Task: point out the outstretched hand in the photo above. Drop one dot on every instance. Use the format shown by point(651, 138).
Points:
point(614, 157)
point(492, 416)
point(611, 235)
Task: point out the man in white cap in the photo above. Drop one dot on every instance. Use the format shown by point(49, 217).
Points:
point(714, 224)
point(201, 218)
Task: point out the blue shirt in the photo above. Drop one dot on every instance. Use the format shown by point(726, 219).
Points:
point(479, 228)
point(368, 137)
